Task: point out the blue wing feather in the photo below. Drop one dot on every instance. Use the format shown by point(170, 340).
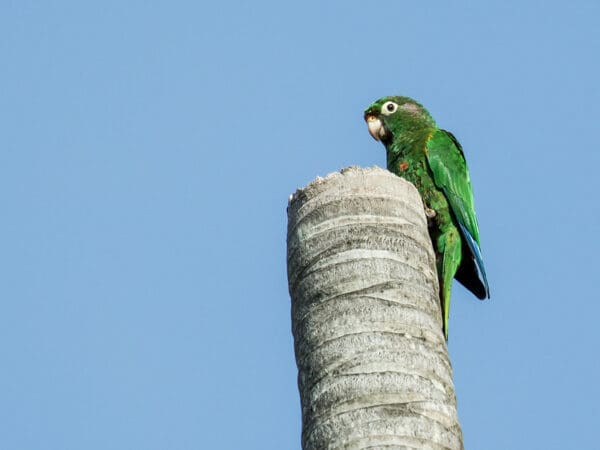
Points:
point(476, 252)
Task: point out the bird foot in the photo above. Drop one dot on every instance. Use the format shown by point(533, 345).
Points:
point(430, 214)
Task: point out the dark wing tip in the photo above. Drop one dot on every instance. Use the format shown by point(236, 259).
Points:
point(471, 272)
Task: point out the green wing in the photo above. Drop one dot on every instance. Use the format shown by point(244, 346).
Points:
point(447, 163)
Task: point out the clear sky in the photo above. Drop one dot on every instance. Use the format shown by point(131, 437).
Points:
point(147, 152)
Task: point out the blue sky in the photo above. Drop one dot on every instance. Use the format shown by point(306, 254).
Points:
point(147, 153)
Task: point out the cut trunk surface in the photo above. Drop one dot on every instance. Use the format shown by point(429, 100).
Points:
point(373, 367)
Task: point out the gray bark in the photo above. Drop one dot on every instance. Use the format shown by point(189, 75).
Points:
point(373, 367)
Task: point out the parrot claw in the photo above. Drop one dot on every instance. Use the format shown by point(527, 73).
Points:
point(430, 213)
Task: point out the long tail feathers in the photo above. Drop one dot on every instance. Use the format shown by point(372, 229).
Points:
point(451, 246)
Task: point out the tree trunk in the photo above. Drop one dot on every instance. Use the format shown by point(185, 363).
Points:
point(373, 367)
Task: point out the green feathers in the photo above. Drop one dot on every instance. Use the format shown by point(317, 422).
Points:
point(433, 160)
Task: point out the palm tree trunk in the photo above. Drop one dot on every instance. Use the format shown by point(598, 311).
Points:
point(373, 367)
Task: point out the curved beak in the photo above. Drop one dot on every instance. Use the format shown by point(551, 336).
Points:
point(376, 129)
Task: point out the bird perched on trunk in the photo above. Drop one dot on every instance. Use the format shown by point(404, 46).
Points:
point(433, 160)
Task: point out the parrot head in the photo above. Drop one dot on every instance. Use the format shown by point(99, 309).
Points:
point(392, 116)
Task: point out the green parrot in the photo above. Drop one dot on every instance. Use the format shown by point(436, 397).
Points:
point(433, 160)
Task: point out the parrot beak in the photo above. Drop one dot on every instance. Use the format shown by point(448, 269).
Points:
point(376, 129)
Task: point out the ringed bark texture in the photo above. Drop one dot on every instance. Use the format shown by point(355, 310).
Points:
point(373, 367)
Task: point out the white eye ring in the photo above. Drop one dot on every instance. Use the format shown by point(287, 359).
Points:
point(389, 108)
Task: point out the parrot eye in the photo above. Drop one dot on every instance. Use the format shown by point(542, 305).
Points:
point(389, 108)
